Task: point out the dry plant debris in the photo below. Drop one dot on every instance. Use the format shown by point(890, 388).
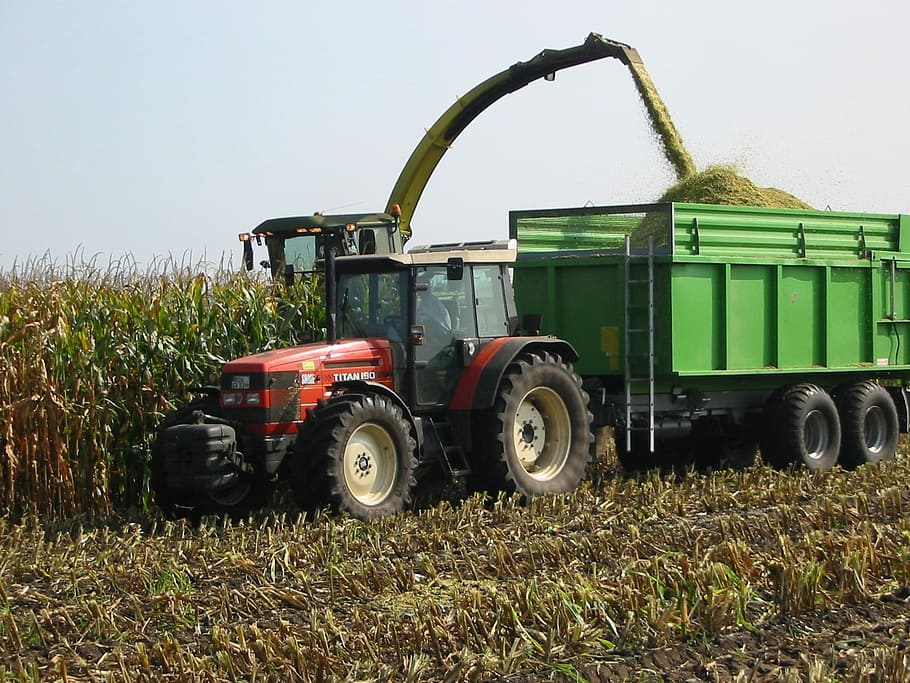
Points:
point(773, 575)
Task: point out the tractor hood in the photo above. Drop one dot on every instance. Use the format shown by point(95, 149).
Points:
point(319, 363)
point(272, 391)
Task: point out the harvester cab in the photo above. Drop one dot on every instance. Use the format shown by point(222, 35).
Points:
point(423, 380)
point(297, 245)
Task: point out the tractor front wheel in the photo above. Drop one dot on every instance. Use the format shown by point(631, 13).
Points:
point(359, 457)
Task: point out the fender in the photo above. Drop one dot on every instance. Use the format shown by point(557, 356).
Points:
point(368, 387)
point(478, 385)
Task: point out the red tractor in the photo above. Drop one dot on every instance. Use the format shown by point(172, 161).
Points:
point(423, 374)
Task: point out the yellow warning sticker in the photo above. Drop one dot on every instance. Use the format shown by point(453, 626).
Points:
point(609, 344)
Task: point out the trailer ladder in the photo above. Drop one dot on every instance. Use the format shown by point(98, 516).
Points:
point(634, 339)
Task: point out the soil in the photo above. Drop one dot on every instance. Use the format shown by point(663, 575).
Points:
point(844, 641)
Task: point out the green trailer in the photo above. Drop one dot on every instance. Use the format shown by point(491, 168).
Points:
point(705, 331)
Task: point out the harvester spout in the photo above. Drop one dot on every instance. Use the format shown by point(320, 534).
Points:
point(440, 136)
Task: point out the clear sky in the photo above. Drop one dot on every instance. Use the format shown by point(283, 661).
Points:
point(169, 127)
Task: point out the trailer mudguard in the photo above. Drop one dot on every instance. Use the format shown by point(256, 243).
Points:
point(478, 385)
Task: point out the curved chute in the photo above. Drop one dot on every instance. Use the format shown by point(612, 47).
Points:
point(440, 136)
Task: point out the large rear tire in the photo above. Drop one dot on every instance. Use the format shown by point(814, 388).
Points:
point(869, 424)
point(358, 458)
point(537, 438)
point(801, 427)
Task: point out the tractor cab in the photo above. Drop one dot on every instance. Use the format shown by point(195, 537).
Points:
point(437, 305)
point(297, 245)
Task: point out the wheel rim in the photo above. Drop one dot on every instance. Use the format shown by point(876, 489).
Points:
point(234, 495)
point(542, 433)
point(370, 465)
point(817, 435)
point(875, 429)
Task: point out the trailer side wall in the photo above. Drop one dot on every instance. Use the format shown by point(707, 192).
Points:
point(738, 292)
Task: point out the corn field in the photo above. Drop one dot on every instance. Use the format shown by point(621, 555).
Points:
point(91, 357)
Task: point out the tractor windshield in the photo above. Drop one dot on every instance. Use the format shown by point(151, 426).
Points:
point(303, 252)
point(300, 252)
point(372, 305)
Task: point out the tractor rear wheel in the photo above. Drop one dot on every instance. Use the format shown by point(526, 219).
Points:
point(539, 428)
point(359, 457)
point(869, 424)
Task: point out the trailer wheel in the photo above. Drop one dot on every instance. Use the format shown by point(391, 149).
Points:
point(245, 494)
point(539, 429)
point(869, 428)
point(360, 459)
point(802, 427)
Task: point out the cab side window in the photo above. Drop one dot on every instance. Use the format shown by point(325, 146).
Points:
point(489, 294)
point(444, 305)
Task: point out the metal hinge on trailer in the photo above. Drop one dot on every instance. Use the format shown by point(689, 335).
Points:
point(630, 349)
point(483, 245)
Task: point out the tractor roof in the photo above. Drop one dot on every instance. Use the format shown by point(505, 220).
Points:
point(491, 251)
point(303, 224)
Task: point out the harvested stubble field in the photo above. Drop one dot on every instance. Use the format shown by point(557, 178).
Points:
point(750, 575)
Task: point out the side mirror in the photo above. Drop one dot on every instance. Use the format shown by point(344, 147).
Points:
point(289, 275)
point(248, 255)
point(455, 268)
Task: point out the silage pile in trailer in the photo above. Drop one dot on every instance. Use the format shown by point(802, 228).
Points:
point(723, 185)
point(715, 185)
point(719, 184)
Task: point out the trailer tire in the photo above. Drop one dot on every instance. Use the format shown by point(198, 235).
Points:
point(869, 426)
point(358, 457)
point(539, 429)
point(802, 427)
point(249, 493)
